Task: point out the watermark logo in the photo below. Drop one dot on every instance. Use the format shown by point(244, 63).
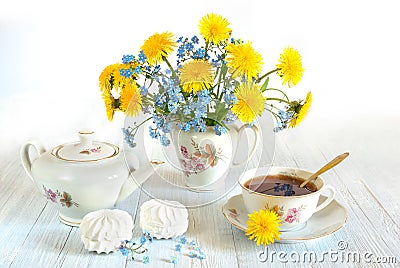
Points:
point(339, 255)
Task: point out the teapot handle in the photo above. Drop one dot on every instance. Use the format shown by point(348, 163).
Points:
point(255, 145)
point(24, 152)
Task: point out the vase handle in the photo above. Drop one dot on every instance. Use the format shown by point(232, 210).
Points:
point(255, 144)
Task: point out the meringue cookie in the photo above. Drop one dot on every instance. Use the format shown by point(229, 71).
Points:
point(163, 218)
point(104, 230)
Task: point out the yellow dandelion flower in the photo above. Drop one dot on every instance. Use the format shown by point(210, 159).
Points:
point(158, 46)
point(119, 80)
point(250, 103)
point(106, 75)
point(263, 227)
point(214, 28)
point(109, 103)
point(300, 111)
point(196, 75)
point(243, 59)
point(130, 100)
point(110, 77)
point(290, 67)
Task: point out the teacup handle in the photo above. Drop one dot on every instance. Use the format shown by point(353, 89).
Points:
point(255, 145)
point(323, 205)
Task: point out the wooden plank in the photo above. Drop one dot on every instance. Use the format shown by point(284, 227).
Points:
point(210, 228)
point(21, 205)
point(44, 242)
point(75, 255)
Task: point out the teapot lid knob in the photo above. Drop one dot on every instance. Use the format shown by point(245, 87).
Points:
point(86, 138)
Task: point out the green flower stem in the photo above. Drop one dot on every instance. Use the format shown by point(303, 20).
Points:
point(272, 107)
point(278, 99)
point(205, 50)
point(281, 91)
point(173, 72)
point(224, 79)
point(265, 75)
point(217, 72)
point(170, 66)
point(273, 113)
point(160, 111)
point(212, 94)
point(137, 127)
point(219, 82)
point(222, 51)
point(226, 83)
point(150, 95)
point(134, 249)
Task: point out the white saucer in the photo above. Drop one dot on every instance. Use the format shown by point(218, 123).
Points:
point(323, 223)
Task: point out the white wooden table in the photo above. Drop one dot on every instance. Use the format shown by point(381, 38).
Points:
point(367, 182)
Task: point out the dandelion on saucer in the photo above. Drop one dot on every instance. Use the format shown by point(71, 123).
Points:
point(263, 227)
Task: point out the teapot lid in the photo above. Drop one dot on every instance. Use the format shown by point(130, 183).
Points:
point(85, 150)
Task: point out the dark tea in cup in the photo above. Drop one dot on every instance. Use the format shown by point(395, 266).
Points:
point(280, 191)
point(279, 185)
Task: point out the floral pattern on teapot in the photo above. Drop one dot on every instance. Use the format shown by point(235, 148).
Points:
point(202, 158)
point(64, 198)
point(91, 150)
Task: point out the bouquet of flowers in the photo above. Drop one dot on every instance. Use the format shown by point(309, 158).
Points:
point(217, 79)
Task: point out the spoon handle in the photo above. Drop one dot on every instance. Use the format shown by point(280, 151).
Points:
point(328, 166)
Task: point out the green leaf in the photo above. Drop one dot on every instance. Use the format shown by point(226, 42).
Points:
point(224, 69)
point(264, 86)
point(220, 111)
point(209, 120)
point(212, 122)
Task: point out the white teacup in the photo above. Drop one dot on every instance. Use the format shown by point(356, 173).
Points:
point(294, 210)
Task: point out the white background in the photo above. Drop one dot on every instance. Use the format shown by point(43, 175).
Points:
point(51, 54)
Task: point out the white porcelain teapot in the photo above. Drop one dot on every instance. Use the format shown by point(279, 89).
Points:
point(83, 176)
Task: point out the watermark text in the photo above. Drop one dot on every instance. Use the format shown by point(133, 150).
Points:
point(339, 255)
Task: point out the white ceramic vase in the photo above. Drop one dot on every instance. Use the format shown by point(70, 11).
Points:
point(204, 157)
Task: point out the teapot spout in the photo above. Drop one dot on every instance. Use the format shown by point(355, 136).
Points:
point(136, 178)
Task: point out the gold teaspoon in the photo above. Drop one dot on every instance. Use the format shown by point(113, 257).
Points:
point(327, 167)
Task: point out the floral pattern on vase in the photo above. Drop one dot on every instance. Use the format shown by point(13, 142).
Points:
point(63, 198)
point(202, 158)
